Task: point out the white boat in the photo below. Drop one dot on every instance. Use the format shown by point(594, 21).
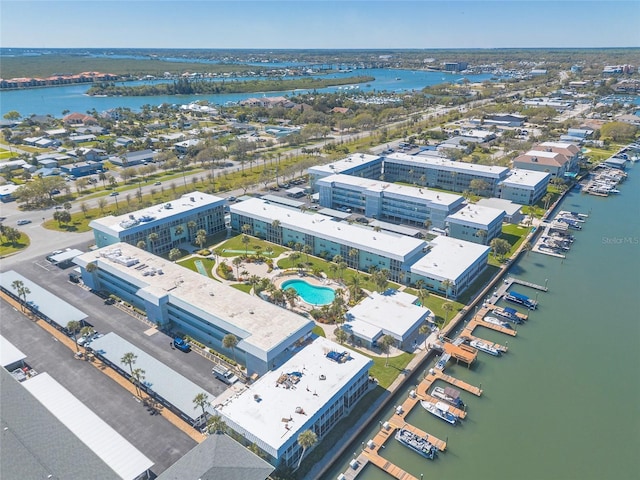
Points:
point(417, 443)
point(496, 321)
point(485, 347)
point(448, 394)
point(440, 410)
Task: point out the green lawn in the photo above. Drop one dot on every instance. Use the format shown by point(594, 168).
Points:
point(235, 247)
point(7, 248)
point(318, 331)
point(243, 287)
point(515, 235)
point(207, 263)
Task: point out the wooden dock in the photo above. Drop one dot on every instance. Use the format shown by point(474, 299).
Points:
point(438, 375)
point(506, 285)
point(477, 321)
point(462, 353)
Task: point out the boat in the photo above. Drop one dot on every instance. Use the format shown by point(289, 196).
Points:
point(509, 313)
point(417, 443)
point(485, 347)
point(440, 410)
point(496, 321)
point(448, 394)
point(520, 299)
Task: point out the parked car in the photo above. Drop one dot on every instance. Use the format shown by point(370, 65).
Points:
point(224, 374)
point(180, 344)
point(158, 183)
point(114, 194)
point(23, 221)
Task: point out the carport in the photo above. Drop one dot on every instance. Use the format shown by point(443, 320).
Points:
point(161, 382)
point(64, 259)
point(41, 302)
point(295, 192)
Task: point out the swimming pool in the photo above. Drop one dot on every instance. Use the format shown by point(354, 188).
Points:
point(310, 293)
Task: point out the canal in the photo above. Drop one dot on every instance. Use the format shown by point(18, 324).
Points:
point(564, 402)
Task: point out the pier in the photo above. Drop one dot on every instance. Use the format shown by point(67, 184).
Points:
point(370, 450)
point(508, 283)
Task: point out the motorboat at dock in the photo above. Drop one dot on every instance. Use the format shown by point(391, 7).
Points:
point(449, 395)
point(485, 347)
point(497, 321)
point(440, 410)
point(520, 299)
point(509, 313)
point(417, 443)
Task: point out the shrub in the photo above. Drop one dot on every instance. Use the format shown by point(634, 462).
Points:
point(204, 252)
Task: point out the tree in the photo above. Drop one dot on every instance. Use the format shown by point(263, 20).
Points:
point(216, 425)
point(73, 326)
point(129, 359)
point(13, 235)
point(425, 329)
point(353, 284)
point(618, 131)
point(237, 261)
point(341, 335)
point(245, 240)
point(291, 296)
point(294, 256)
point(499, 247)
point(191, 226)
point(174, 254)
point(137, 376)
point(230, 341)
point(153, 238)
point(307, 250)
point(527, 246)
point(21, 290)
point(478, 186)
point(447, 307)
point(547, 199)
point(385, 344)
point(381, 279)
point(102, 203)
point(353, 254)
point(306, 439)
point(141, 244)
point(446, 285)
point(201, 238)
point(423, 295)
point(201, 400)
point(84, 208)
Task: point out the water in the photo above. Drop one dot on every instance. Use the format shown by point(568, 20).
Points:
point(564, 402)
point(310, 293)
point(54, 100)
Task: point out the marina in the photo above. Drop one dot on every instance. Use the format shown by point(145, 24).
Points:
point(607, 248)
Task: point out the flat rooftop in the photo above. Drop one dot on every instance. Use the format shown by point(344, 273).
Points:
point(524, 178)
point(42, 300)
point(501, 204)
point(476, 215)
point(393, 312)
point(263, 408)
point(166, 382)
point(111, 447)
point(9, 353)
point(346, 164)
point(448, 258)
point(255, 322)
point(448, 165)
point(386, 244)
point(393, 190)
point(156, 213)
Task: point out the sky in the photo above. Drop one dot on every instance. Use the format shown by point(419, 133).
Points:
point(307, 24)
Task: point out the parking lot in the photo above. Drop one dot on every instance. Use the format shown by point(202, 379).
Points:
point(153, 435)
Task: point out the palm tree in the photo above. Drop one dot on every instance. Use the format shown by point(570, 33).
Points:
point(353, 254)
point(424, 330)
point(153, 238)
point(87, 331)
point(129, 358)
point(73, 326)
point(381, 279)
point(447, 284)
point(141, 244)
point(483, 235)
point(447, 307)
point(137, 376)
point(246, 240)
point(547, 199)
point(294, 256)
point(427, 224)
point(527, 246)
point(21, 290)
point(423, 294)
point(385, 346)
point(307, 250)
point(291, 295)
point(230, 341)
point(215, 424)
point(353, 285)
point(201, 400)
point(191, 226)
point(201, 238)
point(237, 261)
point(246, 229)
point(269, 250)
point(306, 439)
point(179, 230)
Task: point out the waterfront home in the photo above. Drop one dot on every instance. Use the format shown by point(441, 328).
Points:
point(525, 187)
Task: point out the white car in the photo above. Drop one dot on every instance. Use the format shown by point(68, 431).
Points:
point(24, 221)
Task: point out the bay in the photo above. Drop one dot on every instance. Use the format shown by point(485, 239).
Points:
point(564, 402)
point(54, 100)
